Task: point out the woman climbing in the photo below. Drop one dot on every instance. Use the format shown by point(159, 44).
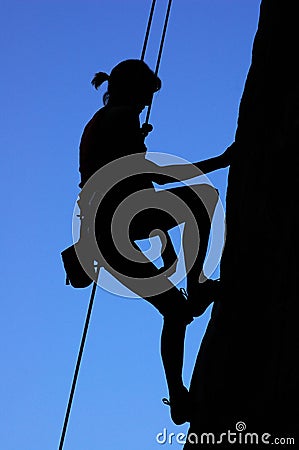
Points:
point(113, 133)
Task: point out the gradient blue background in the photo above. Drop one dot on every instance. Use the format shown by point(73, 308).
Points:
point(50, 50)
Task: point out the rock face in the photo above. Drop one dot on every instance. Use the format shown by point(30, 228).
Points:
point(247, 367)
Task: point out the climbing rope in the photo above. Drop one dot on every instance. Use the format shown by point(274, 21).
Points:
point(78, 363)
point(94, 286)
point(162, 41)
point(148, 29)
point(159, 54)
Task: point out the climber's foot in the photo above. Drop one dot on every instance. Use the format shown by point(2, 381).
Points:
point(201, 295)
point(179, 404)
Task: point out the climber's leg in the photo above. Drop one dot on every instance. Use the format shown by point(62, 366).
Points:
point(196, 210)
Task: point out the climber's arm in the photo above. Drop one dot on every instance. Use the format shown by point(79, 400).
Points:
point(181, 172)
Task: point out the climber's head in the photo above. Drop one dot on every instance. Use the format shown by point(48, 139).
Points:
point(131, 83)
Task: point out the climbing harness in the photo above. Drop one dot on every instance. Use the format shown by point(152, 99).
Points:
point(69, 252)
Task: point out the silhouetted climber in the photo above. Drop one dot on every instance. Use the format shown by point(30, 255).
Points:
point(113, 133)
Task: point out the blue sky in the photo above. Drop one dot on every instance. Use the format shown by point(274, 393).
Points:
point(50, 50)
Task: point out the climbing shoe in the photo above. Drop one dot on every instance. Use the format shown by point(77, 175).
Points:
point(179, 404)
point(201, 295)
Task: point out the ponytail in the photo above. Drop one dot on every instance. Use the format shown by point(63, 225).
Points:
point(99, 78)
